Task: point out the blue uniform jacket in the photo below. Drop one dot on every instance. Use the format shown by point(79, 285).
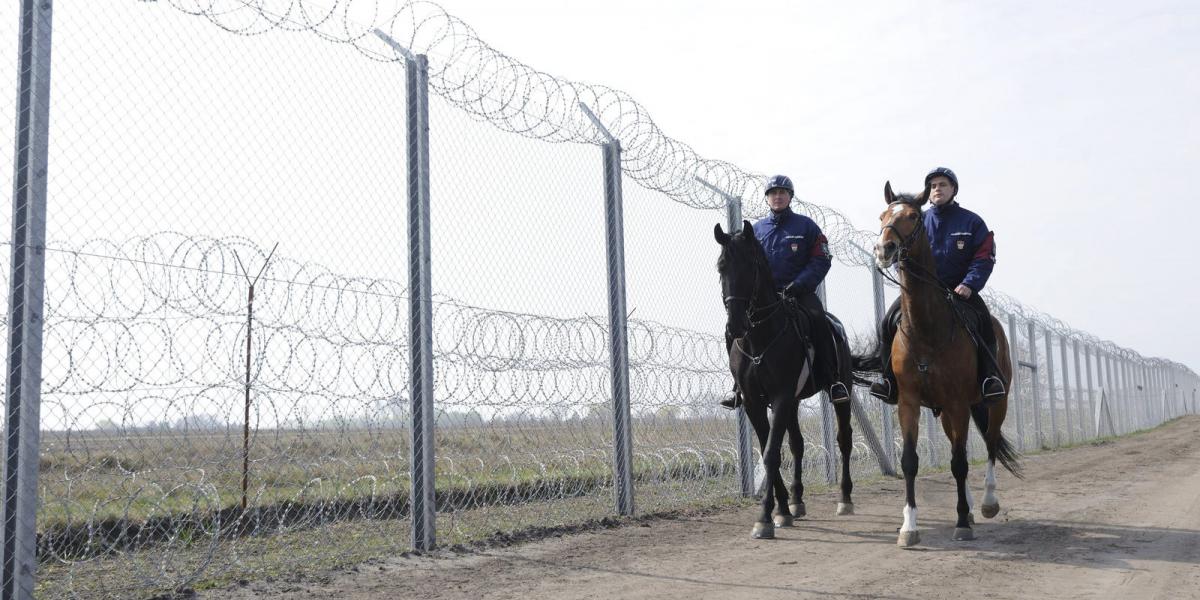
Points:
point(796, 250)
point(963, 248)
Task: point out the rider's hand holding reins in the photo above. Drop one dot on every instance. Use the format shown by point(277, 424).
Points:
point(964, 291)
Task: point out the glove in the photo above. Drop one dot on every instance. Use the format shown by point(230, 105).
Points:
point(792, 291)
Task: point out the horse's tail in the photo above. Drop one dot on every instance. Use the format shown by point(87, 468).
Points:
point(1007, 455)
point(866, 366)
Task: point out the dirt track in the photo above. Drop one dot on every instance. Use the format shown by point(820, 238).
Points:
point(1114, 520)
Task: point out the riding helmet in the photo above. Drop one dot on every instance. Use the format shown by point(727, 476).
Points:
point(780, 181)
point(943, 172)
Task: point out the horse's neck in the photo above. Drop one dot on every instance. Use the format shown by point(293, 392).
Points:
point(921, 300)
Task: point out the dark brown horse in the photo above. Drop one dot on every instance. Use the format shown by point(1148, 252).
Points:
point(771, 360)
point(934, 360)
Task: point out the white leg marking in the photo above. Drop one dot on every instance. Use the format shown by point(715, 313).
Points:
point(989, 484)
point(910, 518)
point(970, 500)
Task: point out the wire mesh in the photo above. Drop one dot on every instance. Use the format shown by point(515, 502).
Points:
point(193, 433)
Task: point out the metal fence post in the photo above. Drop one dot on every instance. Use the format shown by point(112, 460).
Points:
point(1015, 349)
point(26, 303)
point(1066, 389)
point(1034, 398)
point(1049, 340)
point(885, 410)
point(1114, 400)
point(1091, 392)
point(1112, 395)
point(618, 323)
point(745, 432)
point(618, 328)
point(1127, 395)
point(1165, 386)
point(827, 437)
point(1102, 378)
point(420, 302)
point(1146, 374)
point(1102, 384)
point(1079, 392)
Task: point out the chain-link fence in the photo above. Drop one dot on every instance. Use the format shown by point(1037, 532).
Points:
point(333, 281)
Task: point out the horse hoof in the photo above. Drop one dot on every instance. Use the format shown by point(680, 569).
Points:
point(797, 510)
point(763, 531)
point(908, 539)
point(845, 508)
point(784, 520)
point(963, 534)
point(990, 510)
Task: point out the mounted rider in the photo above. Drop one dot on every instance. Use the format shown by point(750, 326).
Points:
point(964, 250)
point(798, 254)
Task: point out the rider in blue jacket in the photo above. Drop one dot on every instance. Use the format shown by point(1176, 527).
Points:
point(965, 252)
point(798, 254)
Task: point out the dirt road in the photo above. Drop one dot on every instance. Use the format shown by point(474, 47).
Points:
point(1114, 520)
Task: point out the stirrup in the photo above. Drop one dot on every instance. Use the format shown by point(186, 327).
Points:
point(883, 390)
point(838, 393)
point(992, 387)
point(731, 401)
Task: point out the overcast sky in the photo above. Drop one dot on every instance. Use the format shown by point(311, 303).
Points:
point(1071, 125)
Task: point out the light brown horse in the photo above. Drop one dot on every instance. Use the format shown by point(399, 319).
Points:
point(934, 361)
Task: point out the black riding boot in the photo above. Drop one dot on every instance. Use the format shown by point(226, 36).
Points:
point(732, 400)
point(839, 392)
point(991, 385)
point(885, 388)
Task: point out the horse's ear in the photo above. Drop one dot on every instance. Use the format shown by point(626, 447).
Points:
point(722, 237)
point(888, 196)
point(746, 226)
point(921, 198)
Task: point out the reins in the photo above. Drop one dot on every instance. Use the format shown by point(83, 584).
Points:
point(923, 274)
point(753, 311)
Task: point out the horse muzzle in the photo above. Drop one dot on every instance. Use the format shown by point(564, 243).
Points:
point(885, 254)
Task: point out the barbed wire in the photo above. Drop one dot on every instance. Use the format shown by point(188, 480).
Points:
point(515, 97)
point(129, 307)
point(142, 400)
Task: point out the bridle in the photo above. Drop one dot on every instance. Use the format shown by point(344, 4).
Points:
point(919, 271)
point(755, 317)
point(915, 269)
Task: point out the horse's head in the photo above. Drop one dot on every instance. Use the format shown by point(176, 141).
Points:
point(901, 224)
point(741, 265)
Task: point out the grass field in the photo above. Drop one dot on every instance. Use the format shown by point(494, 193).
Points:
point(163, 508)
